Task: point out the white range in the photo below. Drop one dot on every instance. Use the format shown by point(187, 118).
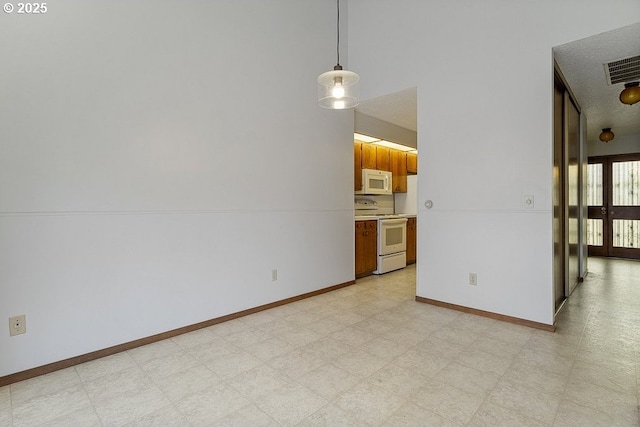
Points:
point(392, 243)
point(392, 236)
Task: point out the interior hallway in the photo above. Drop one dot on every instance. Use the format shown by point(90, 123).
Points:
point(367, 354)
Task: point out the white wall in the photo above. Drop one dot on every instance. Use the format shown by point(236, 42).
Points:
point(484, 73)
point(157, 161)
point(377, 128)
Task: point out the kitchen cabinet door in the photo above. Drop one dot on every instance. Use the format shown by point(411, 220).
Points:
point(399, 170)
point(371, 257)
point(357, 166)
point(382, 159)
point(360, 247)
point(368, 156)
point(412, 163)
point(411, 240)
point(366, 247)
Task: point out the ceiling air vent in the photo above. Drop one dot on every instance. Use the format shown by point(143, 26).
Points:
point(623, 70)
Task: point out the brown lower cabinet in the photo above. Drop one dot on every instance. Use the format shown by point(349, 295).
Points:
point(366, 247)
point(411, 240)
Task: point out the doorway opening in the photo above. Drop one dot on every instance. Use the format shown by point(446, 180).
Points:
point(385, 139)
point(590, 227)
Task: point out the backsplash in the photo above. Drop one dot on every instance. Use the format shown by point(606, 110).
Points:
point(384, 204)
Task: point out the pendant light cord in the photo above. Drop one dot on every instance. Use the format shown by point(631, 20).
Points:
point(338, 28)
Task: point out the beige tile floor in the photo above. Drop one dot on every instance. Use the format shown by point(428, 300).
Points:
point(366, 355)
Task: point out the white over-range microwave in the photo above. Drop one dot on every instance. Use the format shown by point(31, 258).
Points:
point(376, 182)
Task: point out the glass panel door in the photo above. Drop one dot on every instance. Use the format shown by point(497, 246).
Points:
point(626, 183)
point(597, 227)
point(625, 206)
point(613, 196)
point(626, 233)
point(594, 232)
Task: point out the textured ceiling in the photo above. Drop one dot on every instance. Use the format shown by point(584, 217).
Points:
point(582, 64)
point(399, 108)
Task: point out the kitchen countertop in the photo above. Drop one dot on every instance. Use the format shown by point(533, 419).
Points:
point(365, 217)
point(372, 217)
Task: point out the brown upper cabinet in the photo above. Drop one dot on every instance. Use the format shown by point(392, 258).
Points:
point(412, 163)
point(399, 170)
point(368, 156)
point(382, 159)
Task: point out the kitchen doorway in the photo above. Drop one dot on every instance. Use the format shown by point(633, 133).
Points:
point(613, 196)
point(392, 118)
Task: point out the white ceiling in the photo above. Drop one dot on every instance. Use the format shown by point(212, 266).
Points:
point(582, 64)
point(399, 108)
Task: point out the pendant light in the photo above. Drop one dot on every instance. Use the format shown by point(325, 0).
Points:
point(606, 135)
point(338, 89)
point(631, 93)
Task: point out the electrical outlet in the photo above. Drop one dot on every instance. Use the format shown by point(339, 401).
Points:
point(473, 279)
point(274, 275)
point(17, 325)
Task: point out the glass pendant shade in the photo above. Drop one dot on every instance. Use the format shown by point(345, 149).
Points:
point(631, 93)
point(606, 135)
point(338, 89)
